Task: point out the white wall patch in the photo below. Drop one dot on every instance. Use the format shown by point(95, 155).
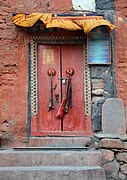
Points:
point(84, 5)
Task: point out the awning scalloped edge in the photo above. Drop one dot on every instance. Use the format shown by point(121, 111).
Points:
point(69, 23)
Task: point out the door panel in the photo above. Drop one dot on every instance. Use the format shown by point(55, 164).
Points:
point(48, 57)
point(72, 56)
point(60, 57)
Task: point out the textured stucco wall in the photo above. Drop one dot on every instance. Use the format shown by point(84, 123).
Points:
point(121, 49)
point(14, 66)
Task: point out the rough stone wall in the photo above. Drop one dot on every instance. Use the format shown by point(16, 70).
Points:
point(103, 77)
point(121, 48)
point(114, 155)
point(14, 66)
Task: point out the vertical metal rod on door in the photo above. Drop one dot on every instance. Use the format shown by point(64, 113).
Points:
point(61, 89)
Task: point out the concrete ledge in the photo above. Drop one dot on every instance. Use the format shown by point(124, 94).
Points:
point(50, 158)
point(60, 141)
point(52, 173)
point(111, 136)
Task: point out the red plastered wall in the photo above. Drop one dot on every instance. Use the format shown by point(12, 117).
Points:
point(121, 49)
point(14, 66)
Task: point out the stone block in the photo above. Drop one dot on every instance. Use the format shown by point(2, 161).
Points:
point(107, 155)
point(125, 145)
point(113, 116)
point(124, 169)
point(122, 157)
point(97, 112)
point(122, 176)
point(111, 170)
point(111, 143)
point(98, 92)
point(97, 84)
point(111, 136)
point(96, 145)
point(98, 98)
point(104, 5)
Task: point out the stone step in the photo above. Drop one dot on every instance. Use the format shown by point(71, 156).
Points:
point(49, 158)
point(60, 141)
point(51, 148)
point(52, 173)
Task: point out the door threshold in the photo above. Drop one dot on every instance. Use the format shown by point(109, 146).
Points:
point(62, 133)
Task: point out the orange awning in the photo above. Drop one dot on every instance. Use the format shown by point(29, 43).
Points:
point(86, 23)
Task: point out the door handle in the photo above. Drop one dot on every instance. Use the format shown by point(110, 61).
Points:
point(51, 72)
point(69, 71)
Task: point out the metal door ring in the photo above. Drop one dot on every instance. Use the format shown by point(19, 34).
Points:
point(51, 72)
point(70, 71)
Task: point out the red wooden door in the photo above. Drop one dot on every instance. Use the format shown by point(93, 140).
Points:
point(48, 57)
point(60, 58)
point(72, 56)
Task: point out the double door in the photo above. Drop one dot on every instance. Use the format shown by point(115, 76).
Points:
point(60, 90)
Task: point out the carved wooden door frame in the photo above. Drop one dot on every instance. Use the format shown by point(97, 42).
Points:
point(33, 76)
